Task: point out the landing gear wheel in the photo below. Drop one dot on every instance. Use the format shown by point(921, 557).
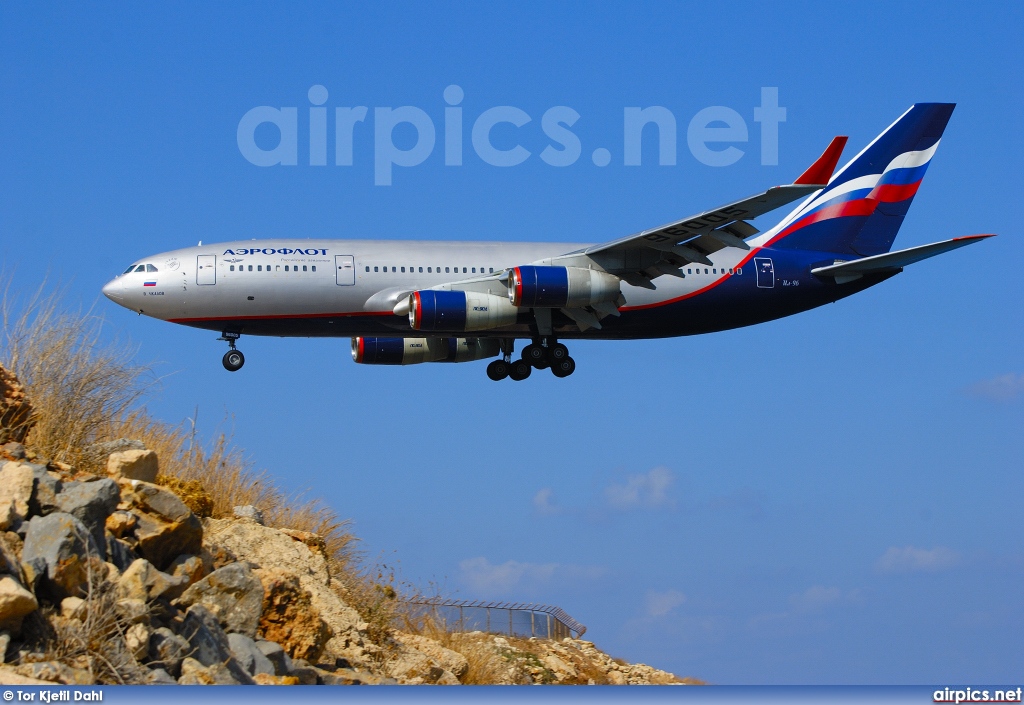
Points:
point(556, 353)
point(233, 360)
point(564, 367)
point(535, 355)
point(498, 370)
point(520, 370)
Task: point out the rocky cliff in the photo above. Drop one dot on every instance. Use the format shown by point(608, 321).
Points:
point(121, 576)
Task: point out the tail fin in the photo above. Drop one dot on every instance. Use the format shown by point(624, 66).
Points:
point(861, 209)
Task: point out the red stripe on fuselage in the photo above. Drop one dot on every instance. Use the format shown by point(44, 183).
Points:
point(281, 316)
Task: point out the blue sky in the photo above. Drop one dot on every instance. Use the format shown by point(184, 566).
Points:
point(830, 498)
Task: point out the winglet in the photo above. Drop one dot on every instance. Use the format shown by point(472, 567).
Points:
point(821, 171)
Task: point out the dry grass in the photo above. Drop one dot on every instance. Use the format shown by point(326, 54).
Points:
point(84, 390)
point(94, 642)
point(77, 384)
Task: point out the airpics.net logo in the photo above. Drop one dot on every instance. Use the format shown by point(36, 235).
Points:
point(715, 136)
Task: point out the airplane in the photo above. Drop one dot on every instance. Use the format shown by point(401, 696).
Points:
point(410, 302)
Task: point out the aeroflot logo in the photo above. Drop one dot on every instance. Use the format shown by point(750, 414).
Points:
point(712, 134)
point(278, 251)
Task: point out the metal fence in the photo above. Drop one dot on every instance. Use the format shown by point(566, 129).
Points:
point(523, 619)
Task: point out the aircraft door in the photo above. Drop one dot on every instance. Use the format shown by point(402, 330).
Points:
point(345, 269)
point(206, 269)
point(765, 272)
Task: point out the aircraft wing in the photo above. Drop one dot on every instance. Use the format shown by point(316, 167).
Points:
point(643, 256)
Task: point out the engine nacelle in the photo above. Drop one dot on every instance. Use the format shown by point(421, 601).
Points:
point(561, 287)
point(413, 351)
point(459, 311)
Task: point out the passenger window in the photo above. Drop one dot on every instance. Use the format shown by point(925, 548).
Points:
point(474, 270)
point(314, 268)
point(464, 270)
point(492, 270)
point(446, 270)
point(279, 268)
point(403, 270)
point(429, 270)
point(394, 269)
point(367, 268)
point(303, 268)
point(250, 267)
point(232, 268)
point(714, 271)
point(421, 270)
point(705, 270)
point(740, 270)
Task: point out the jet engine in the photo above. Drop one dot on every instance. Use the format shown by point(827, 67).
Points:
point(561, 287)
point(412, 351)
point(432, 310)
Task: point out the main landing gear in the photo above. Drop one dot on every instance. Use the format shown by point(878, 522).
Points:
point(233, 359)
point(540, 354)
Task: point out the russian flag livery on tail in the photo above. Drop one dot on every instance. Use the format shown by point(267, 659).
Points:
point(410, 302)
point(861, 209)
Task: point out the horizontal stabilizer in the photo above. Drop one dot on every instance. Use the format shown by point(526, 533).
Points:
point(893, 261)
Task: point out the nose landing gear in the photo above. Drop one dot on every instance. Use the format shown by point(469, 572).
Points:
point(233, 359)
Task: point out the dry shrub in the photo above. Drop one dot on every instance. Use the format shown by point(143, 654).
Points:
point(94, 643)
point(191, 492)
point(77, 384)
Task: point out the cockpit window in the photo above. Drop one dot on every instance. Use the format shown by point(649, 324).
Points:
point(141, 268)
point(132, 268)
point(150, 268)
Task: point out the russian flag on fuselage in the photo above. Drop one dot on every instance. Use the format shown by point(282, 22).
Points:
point(862, 208)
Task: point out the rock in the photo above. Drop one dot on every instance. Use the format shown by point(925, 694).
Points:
point(191, 567)
point(16, 482)
point(9, 549)
point(59, 556)
point(55, 672)
point(167, 650)
point(121, 523)
point(249, 655)
point(16, 413)
point(72, 608)
point(91, 503)
point(132, 610)
point(560, 668)
point(447, 659)
point(272, 549)
point(306, 674)
point(233, 594)
point(159, 676)
point(166, 527)
point(288, 616)
point(133, 465)
point(210, 644)
point(280, 660)
point(44, 492)
point(15, 603)
point(120, 553)
point(136, 638)
point(347, 676)
point(9, 676)
point(195, 673)
point(142, 581)
point(97, 453)
point(13, 450)
point(616, 678)
point(249, 512)
point(5, 641)
point(263, 679)
point(412, 666)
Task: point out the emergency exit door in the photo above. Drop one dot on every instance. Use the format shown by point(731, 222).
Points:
point(345, 268)
point(206, 269)
point(765, 269)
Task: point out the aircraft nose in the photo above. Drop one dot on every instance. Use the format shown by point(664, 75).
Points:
point(114, 290)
